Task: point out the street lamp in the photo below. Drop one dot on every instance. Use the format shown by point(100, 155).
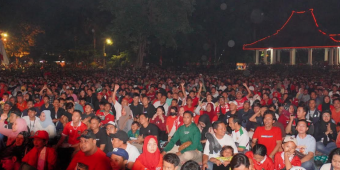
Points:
point(5, 35)
point(108, 41)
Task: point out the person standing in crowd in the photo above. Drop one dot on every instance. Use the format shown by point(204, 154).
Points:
point(41, 156)
point(120, 140)
point(150, 150)
point(305, 145)
point(119, 158)
point(89, 156)
point(239, 134)
point(211, 149)
point(325, 133)
point(268, 135)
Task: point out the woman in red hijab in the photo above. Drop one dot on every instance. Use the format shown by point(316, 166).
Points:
point(151, 158)
point(210, 112)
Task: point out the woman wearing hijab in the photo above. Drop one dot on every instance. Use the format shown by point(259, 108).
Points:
point(47, 124)
point(21, 145)
point(325, 133)
point(151, 158)
point(18, 126)
point(209, 110)
point(326, 104)
point(204, 125)
point(125, 120)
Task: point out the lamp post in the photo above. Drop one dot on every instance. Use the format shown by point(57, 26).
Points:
point(108, 41)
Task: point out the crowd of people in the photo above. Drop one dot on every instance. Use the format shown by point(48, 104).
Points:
point(172, 119)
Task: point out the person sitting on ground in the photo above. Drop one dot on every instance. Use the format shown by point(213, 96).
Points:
point(258, 157)
point(300, 115)
point(204, 125)
point(18, 126)
point(89, 156)
point(125, 120)
point(118, 158)
point(106, 115)
point(101, 136)
point(47, 124)
point(41, 156)
point(191, 165)
point(226, 155)
point(325, 133)
point(333, 161)
point(287, 158)
point(171, 162)
point(32, 120)
point(150, 159)
point(159, 120)
point(239, 134)
point(189, 135)
point(10, 160)
point(119, 140)
point(305, 145)
point(240, 162)
point(134, 132)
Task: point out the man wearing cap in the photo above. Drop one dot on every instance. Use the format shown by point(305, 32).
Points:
point(89, 155)
point(289, 145)
point(41, 157)
point(119, 158)
point(119, 140)
point(111, 128)
point(32, 120)
point(233, 111)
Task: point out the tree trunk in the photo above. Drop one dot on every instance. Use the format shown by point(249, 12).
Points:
point(141, 53)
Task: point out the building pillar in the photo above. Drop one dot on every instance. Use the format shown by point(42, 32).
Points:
point(257, 57)
point(265, 57)
point(326, 54)
point(278, 56)
point(292, 56)
point(272, 56)
point(331, 57)
point(310, 56)
point(336, 56)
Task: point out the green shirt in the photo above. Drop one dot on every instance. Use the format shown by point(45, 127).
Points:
point(184, 134)
point(134, 135)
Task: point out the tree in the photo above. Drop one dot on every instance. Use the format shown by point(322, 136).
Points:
point(137, 24)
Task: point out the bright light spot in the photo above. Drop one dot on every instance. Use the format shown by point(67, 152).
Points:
point(5, 39)
point(109, 41)
point(223, 6)
point(4, 34)
point(231, 43)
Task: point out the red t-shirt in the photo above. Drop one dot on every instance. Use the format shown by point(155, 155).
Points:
point(108, 117)
point(73, 132)
point(151, 95)
point(158, 122)
point(195, 101)
point(240, 103)
point(280, 164)
point(222, 108)
point(284, 120)
point(22, 106)
point(186, 108)
point(264, 103)
point(268, 138)
point(266, 164)
point(96, 161)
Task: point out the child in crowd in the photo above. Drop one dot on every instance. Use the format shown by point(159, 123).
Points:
point(171, 162)
point(134, 132)
point(259, 159)
point(227, 154)
point(287, 159)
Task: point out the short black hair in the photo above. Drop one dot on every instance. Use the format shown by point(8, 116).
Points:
point(172, 159)
point(215, 124)
point(78, 111)
point(304, 108)
point(69, 106)
point(337, 99)
point(191, 165)
point(135, 122)
point(135, 95)
point(48, 97)
point(70, 98)
point(269, 112)
point(302, 120)
point(145, 115)
point(189, 112)
point(95, 118)
point(226, 148)
point(236, 119)
point(259, 149)
point(238, 160)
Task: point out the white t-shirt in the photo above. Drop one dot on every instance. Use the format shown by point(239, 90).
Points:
point(32, 125)
point(241, 137)
point(132, 151)
point(326, 166)
point(225, 141)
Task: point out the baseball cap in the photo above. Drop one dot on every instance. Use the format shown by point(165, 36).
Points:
point(111, 123)
point(290, 139)
point(121, 135)
point(251, 88)
point(90, 104)
point(41, 134)
point(9, 103)
point(238, 92)
point(120, 152)
point(87, 134)
point(233, 102)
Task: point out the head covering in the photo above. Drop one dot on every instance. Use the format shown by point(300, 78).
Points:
point(121, 135)
point(323, 124)
point(212, 113)
point(48, 120)
point(326, 106)
point(124, 118)
point(290, 139)
point(206, 120)
point(119, 152)
point(41, 134)
point(149, 160)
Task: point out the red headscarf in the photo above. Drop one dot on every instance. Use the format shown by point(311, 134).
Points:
point(149, 160)
point(212, 113)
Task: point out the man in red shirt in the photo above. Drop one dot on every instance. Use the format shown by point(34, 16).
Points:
point(73, 130)
point(268, 135)
point(89, 157)
point(41, 157)
point(21, 105)
point(106, 115)
point(239, 99)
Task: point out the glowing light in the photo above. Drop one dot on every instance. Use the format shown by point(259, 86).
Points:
point(109, 41)
point(4, 35)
